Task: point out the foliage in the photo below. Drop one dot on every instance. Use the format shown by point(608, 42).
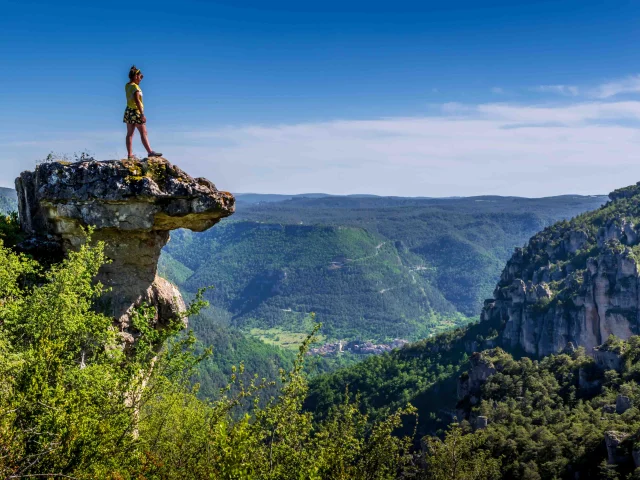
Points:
point(62, 389)
point(10, 232)
point(548, 256)
point(231, 348)
point(83, 156)
point(371, 268)
point(545, 422)
point(423, 374)
point(273, 276)
point(75, 404)
point(460, 457)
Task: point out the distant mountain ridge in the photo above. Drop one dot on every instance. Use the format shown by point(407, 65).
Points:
point(7, 192)
point(371, 267)
point(8, 200)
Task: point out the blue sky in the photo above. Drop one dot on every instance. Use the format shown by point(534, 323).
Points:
point(394, 98)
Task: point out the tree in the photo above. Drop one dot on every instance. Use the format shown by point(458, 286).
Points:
point(74, 404)
point(460, 457)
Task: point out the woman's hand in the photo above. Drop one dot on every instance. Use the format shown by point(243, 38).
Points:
point(138, 100)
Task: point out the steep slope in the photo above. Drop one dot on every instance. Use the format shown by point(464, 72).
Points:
point(566, 416)
point(573, 413)
point(424, 374)
point(230, 348)
point(544, 288)
point(368, 266)
point(465, 241)
point(273, 275)
point(8, 200)
point(576, 281)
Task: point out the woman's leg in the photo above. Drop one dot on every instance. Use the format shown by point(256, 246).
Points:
point(143, 136)
point(131, 129)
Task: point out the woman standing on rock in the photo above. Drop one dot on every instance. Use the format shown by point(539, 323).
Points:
point(134, 113)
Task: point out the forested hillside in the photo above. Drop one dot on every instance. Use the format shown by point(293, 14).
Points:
point(75, 404)
point(565, 416)
point(8, 200)
point(68, 406)
point(571, 414)
point(270, 275)
point(230, 349)
point(423, 374)
point(369, 267)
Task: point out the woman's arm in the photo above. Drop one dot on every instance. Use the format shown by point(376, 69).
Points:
point(136, 98)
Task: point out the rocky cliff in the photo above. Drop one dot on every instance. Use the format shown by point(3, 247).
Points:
point(132, 206)
point(576, 281)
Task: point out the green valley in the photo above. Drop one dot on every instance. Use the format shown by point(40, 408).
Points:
point(369, 267)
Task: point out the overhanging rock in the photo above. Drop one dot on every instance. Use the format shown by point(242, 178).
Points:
point(132, 205)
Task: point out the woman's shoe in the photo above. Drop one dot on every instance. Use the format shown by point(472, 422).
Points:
point(155, 154)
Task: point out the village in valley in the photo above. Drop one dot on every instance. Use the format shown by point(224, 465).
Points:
point(358, 347)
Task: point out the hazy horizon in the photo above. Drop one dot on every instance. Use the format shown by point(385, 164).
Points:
point(361, 194)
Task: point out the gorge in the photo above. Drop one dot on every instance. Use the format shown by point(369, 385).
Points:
point(576, 281)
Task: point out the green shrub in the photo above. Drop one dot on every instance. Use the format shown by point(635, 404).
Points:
point(74, 404)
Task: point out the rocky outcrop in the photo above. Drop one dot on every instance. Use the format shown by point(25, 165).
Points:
point(607, 358)
point(576, 281)
point(481, 368)
point(482, 422)
point(132, 206)
point(616, 452)
point(623, 403)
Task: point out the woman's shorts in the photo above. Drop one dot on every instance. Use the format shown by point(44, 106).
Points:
point(132, 116)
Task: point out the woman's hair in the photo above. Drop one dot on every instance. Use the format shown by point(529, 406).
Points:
point(133, 72)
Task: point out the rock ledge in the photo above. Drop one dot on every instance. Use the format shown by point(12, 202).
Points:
point(132, 205)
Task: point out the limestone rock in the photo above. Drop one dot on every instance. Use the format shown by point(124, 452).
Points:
point(575, 241)
point(132, 206)
point(481, 369)
point(623, 403)
point(607, 359)
point(626, 192)
point(616, 453)
point(481, 422)
point(575, 282)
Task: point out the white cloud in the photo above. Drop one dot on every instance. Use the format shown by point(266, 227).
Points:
point(567, 90)
point(630, 84)
point(491, 148)
point(494, 148)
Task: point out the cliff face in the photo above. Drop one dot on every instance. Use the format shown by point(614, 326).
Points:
point(576, 281)
point(132, 206)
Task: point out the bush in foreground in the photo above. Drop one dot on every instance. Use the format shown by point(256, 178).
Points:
point(73, 404)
